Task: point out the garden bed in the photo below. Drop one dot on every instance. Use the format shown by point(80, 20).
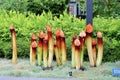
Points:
point(24, 69)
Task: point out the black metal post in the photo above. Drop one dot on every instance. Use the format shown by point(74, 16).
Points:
point(89, 11)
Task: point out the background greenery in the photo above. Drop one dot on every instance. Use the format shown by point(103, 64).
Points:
point(104, 8)
point(25, 26)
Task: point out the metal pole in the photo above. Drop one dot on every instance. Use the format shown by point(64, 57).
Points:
point(89, 12)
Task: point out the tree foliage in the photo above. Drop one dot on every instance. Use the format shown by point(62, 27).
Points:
point(105, 8)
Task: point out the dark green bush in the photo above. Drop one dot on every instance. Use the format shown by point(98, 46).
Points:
point(25, 26)
point(55, 6)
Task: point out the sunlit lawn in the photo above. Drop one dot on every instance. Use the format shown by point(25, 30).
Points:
point(24, 69)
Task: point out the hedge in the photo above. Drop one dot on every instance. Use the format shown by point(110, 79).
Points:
point(25, 26)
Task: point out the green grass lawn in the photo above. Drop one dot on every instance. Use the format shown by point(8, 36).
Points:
point(24, 69)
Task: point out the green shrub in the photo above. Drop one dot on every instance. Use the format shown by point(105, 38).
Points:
point(25, 26)
point(111, 35)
